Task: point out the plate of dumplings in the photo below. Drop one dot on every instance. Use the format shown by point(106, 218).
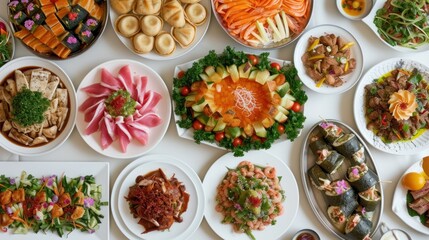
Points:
point(160, 29)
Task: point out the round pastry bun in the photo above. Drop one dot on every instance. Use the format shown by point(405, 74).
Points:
point(143, 43)
point(184, 35)
point(196, 13)
point(122, 6)
point(127, 25)
point(164, 44)
point(151, 25)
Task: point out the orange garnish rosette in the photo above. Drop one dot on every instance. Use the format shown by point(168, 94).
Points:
point(402, 104)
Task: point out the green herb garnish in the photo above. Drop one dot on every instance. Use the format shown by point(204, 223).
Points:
point(29, 107)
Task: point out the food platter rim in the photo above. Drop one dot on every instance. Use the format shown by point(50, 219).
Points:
point(51, 56)
point(276, 46)
point(307, 186)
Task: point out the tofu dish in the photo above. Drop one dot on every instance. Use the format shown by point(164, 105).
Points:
point(34, 106)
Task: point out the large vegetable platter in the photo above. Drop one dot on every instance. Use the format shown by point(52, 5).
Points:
point(238, 101)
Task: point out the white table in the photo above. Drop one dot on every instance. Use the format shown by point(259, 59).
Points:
point(338, 107)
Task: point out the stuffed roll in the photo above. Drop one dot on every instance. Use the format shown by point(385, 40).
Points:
point(361, 177)
point(330, 160)
point(318, 177)
point(347, 144)
point(370, 199)
point(358, 157)
point(338, 214)
point(339, 193)
point(317, 144)
point(358, 227)
point(330, 131)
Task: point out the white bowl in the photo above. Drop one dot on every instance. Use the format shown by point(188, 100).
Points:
point(365, 12)
point(349, 80)
point(62, 137)
point(368, 20)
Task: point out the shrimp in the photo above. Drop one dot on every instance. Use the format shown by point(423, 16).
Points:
point(248, 164)
point(275, 196)
point(270, 172)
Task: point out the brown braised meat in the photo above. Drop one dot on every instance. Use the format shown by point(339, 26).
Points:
point(157, 201)
point(327, 59)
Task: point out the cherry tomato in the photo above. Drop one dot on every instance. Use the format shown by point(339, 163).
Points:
point(197, 125)
point(181, 74)
point(296, 107)
point(185, 91)
point(281, 128)
point(219, 136)
point(256, 138)
point(237, 142)
point(253, 59)
point(276, 66)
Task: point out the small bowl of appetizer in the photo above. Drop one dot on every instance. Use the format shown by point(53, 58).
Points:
point(354, 9)
point(329, 59)
point(37, 106)
point(306, 234)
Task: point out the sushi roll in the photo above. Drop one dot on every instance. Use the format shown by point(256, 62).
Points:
point(338, 214)
point(339, 192)
point(38, 17)
point(358, 227)
point(369, 199)
point(32, 8)
point(19, 17)
point(330, 131)
point(330, 161)
point(347, 144)
point(317, 144)
point(318, 177)
point(91, 23)
point(84, 34)
point(361, 177)
point(71, 42)
point(15, 6)
point(74, 17)
point(358, 157)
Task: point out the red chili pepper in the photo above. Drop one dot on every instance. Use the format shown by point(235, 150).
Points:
point(384, 119)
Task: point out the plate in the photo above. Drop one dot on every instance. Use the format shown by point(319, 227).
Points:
point(191, 218)
point(10, 41)
point(349, 80)
point(189, 133)
point(201, 31)
point(315, 197)
point(366, 10)
point(217, 172)
point(51, 66)
point(399, 203)
point(100, 170)
point(400, 148)
point(368, 20)
point(155, 83)
point(51, 55)
point(273, 45)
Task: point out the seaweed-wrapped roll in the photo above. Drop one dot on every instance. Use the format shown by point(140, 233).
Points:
point(339, 192)
point(338, 214)
point(330, 160)
point(317, 144)
point(347, 144)
point(330, 131)
point(358, 227)
point(358, 157)
point(318, 177)
point(369, 199)
point(361, 177)
point(71, 42)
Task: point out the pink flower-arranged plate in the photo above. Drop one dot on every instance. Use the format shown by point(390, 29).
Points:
point(123, 136)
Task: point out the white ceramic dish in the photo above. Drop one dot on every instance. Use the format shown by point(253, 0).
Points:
point(399, 203)
point(57, 142)
point(349, 80)
point(368, 20)
point(365, 12)
point(217, 172)
point(184, 173)
point(100, 171)
point(315, 197)
point(201, 31)
point(163, 109)
point(400, 148)
point(189, 133)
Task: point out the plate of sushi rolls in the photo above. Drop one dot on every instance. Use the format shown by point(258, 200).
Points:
point(340, 180)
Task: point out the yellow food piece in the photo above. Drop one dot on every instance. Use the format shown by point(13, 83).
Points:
point(413, 181)
point(347, 45)
point(320, 56)
point(425, 165)
point(320, 82)
point(313, 45)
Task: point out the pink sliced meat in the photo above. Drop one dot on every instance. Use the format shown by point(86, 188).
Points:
point(149, 119)
point(90, 103)
point(105, 138)
point(420, 193)
point(109, 81)
point(97, 90)
point(94, 124)
point(126, 78)
point(141, 88)
point(139, 134)
point(151, 100)
point(124, 136)
point(421, 209)
point(110, 125)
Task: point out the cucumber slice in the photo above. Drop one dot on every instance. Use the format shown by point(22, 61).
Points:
point(199, 106)
point(283, 89)
point(220, 125)
point(233, 71)
point(234, 132)
point(260, 130)
point(252, 74)
point(211, 122)
point(280, 117)
point(203, 119)
point(244, 70)
point(262, 76)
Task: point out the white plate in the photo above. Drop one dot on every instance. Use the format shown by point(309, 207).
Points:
point(189, 133)
point(57, 142)
point(155, 83)
point(201, 31)
point(191, 218)
point(356, 52)
point(315, 197)
point(401, 148)
point(368, 20)
point(100, 171)
point(399, 203)
point(218, 171)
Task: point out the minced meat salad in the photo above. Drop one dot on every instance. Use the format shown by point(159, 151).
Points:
point(396, 105)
